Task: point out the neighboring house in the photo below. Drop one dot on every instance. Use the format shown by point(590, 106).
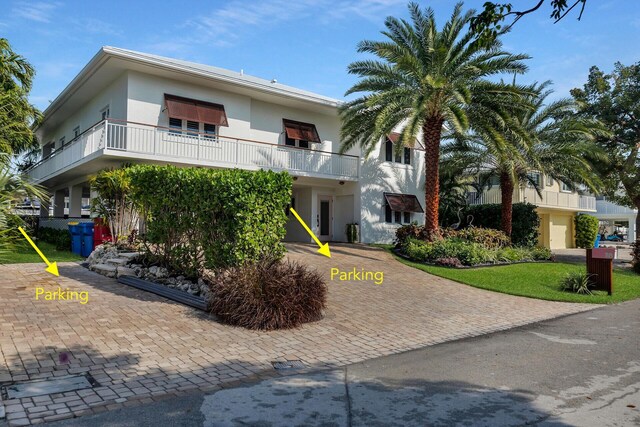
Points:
point(131, 107)
point(556, 208)
point(616, 218)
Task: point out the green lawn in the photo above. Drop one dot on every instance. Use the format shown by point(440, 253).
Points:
point(25, 253)
point(535, 280)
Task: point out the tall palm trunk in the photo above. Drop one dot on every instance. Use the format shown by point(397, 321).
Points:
point(506, 188)
point(432, 131)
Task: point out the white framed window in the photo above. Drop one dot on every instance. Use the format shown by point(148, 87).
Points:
point(191, 128)
point(300, 143)
point(396, 217)
point(565, 188)
point(391, 156)
point(549, 180)
point(105, 113)
point(535, 178)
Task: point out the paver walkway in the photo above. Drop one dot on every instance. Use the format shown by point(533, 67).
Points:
point(140, 347)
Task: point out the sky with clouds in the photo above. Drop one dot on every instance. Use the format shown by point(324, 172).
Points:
point(305, 43)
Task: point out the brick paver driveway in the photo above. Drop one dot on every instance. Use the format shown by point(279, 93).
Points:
point(139, 346)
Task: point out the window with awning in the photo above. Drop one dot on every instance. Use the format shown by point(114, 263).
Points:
point(300, 134)
point(193, 110)
point(399, 207)
point(391, 140)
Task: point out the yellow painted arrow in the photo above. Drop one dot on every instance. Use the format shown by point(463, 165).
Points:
point(324, 249)
point(52, 267)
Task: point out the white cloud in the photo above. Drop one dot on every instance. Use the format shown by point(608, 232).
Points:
point(226, 25)
point(35, 11)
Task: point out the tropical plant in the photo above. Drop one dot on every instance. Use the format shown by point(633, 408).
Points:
point(525, 223)
point(578, 282)
point(454, 185)
point(114, 202)
point(17, 115)
point(14, 189)
point(519, 145)
point(424, 79)
point(267, 295)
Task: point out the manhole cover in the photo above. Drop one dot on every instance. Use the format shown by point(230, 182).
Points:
point(50, 386)
point(289, 364)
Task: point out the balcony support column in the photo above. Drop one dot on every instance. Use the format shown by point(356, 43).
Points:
point(58, 203)
point(75, 201)
point(44, 207)
point(632, 229)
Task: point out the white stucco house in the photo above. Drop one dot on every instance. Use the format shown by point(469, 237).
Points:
point(132, 107)
point(557, 208)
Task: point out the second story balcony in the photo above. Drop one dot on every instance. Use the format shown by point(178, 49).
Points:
point(111, 141)
point(550, 199)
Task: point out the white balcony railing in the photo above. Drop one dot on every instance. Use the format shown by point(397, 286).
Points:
point(550, 199)
point(605, 207)
point(133, 140)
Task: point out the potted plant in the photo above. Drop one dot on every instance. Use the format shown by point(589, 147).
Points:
point(352, 232)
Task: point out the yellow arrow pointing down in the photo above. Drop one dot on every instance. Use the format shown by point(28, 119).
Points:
point(324, 249)
point(52, 267)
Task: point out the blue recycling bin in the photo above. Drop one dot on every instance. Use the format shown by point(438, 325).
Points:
point(597, 242)
point(76, 237)
point(87, 238)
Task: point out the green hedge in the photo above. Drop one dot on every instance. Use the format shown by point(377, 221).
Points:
point(586, 230)
point(197, 217)
point(60, 238)
point(455, 251)
point(525, 221)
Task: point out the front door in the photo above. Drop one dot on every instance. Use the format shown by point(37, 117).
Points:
point(325, 218)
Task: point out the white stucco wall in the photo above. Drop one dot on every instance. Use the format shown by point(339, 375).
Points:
point(114, 96)
point(377, 177)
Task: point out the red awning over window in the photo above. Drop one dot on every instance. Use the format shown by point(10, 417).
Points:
point(196, 111)
point(301, 131)
point(403, 202)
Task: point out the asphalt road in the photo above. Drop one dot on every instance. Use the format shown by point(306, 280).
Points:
point(581, 370)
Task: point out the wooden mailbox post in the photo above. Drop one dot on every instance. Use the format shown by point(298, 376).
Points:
point(600, 267)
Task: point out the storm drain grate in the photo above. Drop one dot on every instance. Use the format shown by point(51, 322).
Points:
point(50, 386)
point(289, 364)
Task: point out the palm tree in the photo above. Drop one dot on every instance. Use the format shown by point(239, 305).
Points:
point(17, 115)
point(544, 139)
point(14, 189)
point(423, 81)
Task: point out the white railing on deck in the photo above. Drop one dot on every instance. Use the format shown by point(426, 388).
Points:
point(180, 146)
point(606, 207)
point(548, 199)
point(85, 144)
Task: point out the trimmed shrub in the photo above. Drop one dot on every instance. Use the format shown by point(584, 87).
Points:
point(525, 221)
point(267, 295)
point(578, 282)
point(467, 253)
point(60, 238)
point(443, 252)
point(487, 237)
point(418, 250)
point(586, 230)
point(211, 218)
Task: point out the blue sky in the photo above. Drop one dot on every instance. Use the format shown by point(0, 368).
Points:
point(304, 43)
